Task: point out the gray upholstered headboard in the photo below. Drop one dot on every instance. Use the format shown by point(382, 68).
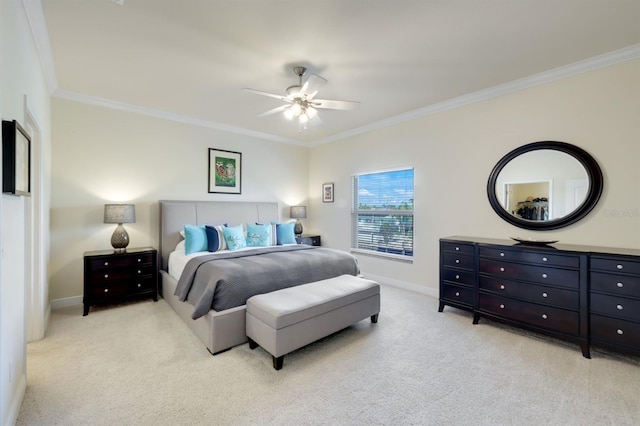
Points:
point(175, 214)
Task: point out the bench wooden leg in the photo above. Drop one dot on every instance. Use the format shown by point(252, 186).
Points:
point(374, 318)
point(277, 362)
point(252, 344)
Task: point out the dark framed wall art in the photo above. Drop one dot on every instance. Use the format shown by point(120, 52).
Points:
point(327, 192)
point(225, 171)
point(16, 159)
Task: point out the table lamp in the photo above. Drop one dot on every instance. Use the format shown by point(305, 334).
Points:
point(297, 213)
point(119, 213)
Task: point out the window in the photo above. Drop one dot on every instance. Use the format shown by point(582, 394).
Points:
point(382, 213)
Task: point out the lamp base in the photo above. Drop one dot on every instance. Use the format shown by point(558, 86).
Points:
point(297, 228)
point(120, 239)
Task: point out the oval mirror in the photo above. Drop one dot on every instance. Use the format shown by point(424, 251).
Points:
point(545, 185)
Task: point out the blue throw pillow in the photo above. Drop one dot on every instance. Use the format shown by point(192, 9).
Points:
point(258, 235)
point(234, 237)
point(285, 233)
point(215, 238)
point(195, 239)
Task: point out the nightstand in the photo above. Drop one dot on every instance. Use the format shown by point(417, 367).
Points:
point(111, 277)
point(312, 240)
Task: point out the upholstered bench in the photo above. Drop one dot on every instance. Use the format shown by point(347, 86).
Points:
point(288, 319)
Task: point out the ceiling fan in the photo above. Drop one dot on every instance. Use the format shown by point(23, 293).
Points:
point(300, 100)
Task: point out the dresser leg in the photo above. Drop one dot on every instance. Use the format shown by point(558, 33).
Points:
point(441, 307)
point(585, 350)
point(86, 310)
point(476, 317)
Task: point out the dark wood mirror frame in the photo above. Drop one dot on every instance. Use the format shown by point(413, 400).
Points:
point(596, 184)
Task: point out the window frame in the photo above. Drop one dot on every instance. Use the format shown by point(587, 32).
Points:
point(356, 213)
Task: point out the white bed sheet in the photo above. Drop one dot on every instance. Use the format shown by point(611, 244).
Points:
point(178, 259)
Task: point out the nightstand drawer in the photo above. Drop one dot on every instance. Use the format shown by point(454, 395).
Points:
point(310, 240)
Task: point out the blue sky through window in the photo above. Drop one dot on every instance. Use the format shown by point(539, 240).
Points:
point(393, 188)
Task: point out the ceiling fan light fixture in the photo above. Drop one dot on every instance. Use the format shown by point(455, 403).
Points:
point(311, 112)
point(288, 113)
point(303, 118)
point(295, 108)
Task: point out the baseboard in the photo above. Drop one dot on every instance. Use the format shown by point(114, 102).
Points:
point(427, 291)
point(66, 302)
point(16, 401)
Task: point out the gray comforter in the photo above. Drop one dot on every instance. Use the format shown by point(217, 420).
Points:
point(225, 280)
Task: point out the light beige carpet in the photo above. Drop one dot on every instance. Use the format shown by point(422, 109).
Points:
point(138, 364)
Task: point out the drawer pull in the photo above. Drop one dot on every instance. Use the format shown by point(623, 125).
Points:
point(457, 248)
point(457, 277)
point(544, 316)
point(619, 285)
point(501, 269)
point(106, 290)
point(620, 332)
point(106, 276)
point(619, 266)
point(139, 271)
point(501, 306)
point(619, 307)
point(457, 292)
point(544, 275)
point(139, 285)
point(106, 263)
point(139, 260)
point(457, 260)
point(544, 259)
point(501, 254)
point(501, 286)
point(544, 295)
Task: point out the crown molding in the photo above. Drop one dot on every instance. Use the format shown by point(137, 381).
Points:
point(164, 115)
point(35, 17)
point(591, 64)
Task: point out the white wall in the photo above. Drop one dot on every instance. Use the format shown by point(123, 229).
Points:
point(20, 75)
point(102, 155)
point(453, 153)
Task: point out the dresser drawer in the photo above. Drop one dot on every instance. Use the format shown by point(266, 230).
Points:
point(538, 274)
point(615, 331)
point(623, 285)
point(457, 260)
point(615, 265)
point(458, 248)
point(541, 316)
point(457, 276)
point(561, 298)
point(532, 257)
point(119, 261)
point(615, 306)
point(457, 294)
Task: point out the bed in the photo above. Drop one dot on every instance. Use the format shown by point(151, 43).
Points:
point(223, 329)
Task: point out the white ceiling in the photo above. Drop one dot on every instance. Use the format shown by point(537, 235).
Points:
point(189, 59)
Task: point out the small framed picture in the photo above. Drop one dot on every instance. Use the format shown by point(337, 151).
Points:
point(225, 171)
point(327, 192)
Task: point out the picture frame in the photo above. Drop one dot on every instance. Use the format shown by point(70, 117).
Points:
point(16, 159)
point(327, 192)
point(225, 171)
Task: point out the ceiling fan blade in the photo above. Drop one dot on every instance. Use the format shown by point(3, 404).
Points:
point(312, 85)
point(274, 111)
point(271, 95)
point(330, 104)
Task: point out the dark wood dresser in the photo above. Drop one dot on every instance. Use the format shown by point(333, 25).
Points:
point(111, 277)
point(582, 294)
